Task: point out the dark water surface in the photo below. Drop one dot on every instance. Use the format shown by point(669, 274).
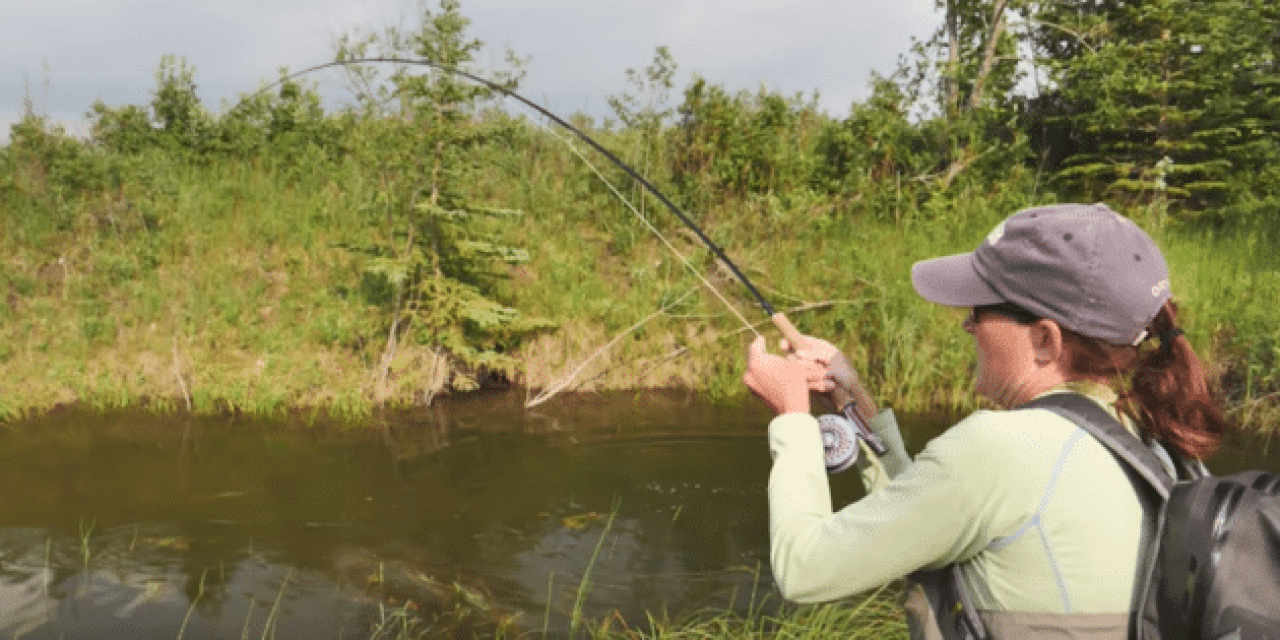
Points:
point(462, 517)
point(469, 516)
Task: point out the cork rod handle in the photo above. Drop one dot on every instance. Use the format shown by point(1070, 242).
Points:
point(795, 339)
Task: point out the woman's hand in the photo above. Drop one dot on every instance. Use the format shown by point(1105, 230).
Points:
point(818, 351)
point(784, 383)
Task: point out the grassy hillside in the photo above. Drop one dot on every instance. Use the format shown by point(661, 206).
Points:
point(223, 283)
point(430, 238)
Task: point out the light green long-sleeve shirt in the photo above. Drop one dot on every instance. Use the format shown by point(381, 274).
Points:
point(1039, 514)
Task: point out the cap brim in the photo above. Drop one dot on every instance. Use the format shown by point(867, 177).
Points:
point(952, 281)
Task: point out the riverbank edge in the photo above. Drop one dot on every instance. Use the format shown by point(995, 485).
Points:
point(417, 379)
point(335, 386)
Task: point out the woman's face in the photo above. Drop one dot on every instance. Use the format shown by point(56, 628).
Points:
point(1007, 372)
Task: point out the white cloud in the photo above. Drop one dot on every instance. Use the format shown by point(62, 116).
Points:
point(72, 52)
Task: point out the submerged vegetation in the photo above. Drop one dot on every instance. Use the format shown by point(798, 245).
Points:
point(276, 256)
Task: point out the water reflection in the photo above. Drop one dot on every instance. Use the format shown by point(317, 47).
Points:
point(132, 582)
point(470, 516)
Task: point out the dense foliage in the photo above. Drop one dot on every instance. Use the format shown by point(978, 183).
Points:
point(427, 228)
point(1164, 98)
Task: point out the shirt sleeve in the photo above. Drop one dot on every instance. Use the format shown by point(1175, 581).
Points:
point(894, 461)
point(928, 516)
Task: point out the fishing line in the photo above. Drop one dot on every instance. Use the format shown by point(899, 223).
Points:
point(715, 249)
point(848, 393)
point(652, 228)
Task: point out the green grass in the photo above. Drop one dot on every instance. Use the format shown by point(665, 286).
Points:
point(873, 615)
point(584, 585)
point(229, 286)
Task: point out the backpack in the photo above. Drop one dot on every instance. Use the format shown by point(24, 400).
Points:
point(1212, 567)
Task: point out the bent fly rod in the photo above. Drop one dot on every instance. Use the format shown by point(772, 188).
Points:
point(853, 401)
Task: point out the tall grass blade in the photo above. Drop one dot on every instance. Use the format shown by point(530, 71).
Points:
point(585, 584)
point(270, 625)
point(199, 594)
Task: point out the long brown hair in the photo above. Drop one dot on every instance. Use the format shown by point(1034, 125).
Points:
point(1164, 388)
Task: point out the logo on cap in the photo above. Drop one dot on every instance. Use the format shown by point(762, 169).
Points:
point(1161, 287)
point(996, 233)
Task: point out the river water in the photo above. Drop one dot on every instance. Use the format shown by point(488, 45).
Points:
point(472, 516)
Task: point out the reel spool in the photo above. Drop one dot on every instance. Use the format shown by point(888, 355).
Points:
point(839, 442)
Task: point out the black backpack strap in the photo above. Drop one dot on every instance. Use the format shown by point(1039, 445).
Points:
point(1104, 427)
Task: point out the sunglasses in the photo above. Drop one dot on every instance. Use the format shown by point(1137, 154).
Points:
point(1006, 309)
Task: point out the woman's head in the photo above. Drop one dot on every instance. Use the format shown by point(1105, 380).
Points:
point(1069, 292)
point(1085, 267)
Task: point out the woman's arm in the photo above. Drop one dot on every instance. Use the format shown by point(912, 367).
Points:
point(928, 516)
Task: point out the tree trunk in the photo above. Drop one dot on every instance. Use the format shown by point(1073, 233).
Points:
point(953, 62)
point(989, 57)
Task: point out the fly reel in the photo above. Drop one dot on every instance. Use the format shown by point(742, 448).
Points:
point(839, 442)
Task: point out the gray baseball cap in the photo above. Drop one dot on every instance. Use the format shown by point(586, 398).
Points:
point(1085, 267)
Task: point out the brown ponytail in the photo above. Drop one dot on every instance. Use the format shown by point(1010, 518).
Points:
point(1174, 399)
point(1166, 391)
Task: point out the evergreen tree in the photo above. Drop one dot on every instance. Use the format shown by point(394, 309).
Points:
point(424, 128)
point(1159, 99)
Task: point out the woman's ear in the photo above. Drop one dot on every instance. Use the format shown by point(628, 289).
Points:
point(1046, 342)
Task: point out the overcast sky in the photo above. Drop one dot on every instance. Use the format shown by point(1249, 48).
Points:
point(64, 54)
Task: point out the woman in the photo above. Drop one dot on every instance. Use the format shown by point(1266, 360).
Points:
point(1041, 520)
